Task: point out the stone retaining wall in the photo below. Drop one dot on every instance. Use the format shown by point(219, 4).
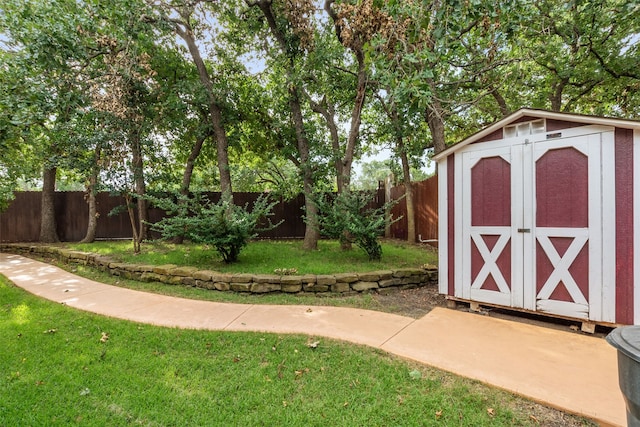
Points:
point(343, 283)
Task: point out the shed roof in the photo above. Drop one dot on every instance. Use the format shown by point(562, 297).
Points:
point(542, 114)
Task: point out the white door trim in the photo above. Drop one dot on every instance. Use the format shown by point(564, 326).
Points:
point(606, 252)
point(636, 225)
point(443, 228)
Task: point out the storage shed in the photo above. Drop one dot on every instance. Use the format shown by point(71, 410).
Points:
point(540, 212)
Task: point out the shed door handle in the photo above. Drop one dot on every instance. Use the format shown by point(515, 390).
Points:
point(524, 230)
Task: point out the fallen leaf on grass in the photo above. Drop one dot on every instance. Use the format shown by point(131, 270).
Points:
point(313, 344)
point(491, 412)
point(50, 331)
point(301, 372)
point(104, 337)
point(438, 414)
point(534, 419)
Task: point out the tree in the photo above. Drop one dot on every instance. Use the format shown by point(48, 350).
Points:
point(563, 56)
point(340, 76)
point(402, 131)
point(435, 55)
point(48, 55)
point(293, 33)
point(182, 18)
point(575, 50)
point(17, 158)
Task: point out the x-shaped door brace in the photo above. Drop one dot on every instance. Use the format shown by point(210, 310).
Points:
point(561, 264)
point(490, 258)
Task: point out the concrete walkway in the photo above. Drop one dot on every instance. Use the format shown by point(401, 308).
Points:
point(565, 370)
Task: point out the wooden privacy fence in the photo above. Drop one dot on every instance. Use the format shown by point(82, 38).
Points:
point(21, 221)
point(426, 211)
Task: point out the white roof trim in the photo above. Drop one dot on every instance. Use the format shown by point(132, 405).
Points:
point(542, 114)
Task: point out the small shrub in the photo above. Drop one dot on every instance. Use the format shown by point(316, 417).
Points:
point(223, 225)
point(349, 217)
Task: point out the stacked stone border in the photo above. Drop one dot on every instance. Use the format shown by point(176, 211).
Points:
point(381, 281)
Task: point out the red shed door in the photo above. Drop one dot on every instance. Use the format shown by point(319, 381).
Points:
point(488, 244)
point(567, 223)
point(531, 225)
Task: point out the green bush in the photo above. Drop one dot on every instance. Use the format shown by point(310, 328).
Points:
point(223, 225)
point(349, 217)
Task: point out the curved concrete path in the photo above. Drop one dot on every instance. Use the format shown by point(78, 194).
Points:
point(565, 370)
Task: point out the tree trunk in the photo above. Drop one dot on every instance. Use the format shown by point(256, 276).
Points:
point(502, 103)
point(48, 229)
point(215, 111)
point(435, 120)
point(388, 182)
point(555, 98)
point(188, 169)
point(139, 185)
point(222, 151)
point(344, 169)
point(327, 111)
point(356, 120)
point(311, 233)
point(134, 225)
point(408, 191)
point(188, 173)
point(92, 225)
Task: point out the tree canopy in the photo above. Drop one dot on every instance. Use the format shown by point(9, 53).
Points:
point(282, 95)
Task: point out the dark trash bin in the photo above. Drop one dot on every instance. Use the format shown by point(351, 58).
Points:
point(627, 340)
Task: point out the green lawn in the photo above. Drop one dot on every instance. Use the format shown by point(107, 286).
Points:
point(60, 366)
point(259, 257)
point(361, 300)
point(263, 257)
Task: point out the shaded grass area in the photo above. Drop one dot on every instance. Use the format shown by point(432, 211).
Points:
point(60, 366)
point(263, 257)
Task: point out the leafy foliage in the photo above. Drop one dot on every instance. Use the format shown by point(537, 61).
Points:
point(349, 217)
point(105, 92)
point(225, 226)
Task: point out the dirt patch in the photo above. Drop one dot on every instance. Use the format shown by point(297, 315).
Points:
point(411, 302)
